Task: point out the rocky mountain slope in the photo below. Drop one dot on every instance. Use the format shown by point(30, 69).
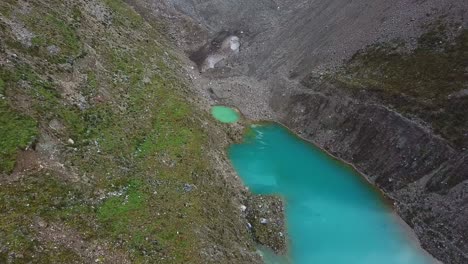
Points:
point(106, 154)
point(381, 85)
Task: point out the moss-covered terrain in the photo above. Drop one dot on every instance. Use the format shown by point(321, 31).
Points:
point(18, 131)
point(429, 81)
point(102, 156)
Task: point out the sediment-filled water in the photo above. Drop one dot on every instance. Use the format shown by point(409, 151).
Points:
point(225, 114)
point(333, 215)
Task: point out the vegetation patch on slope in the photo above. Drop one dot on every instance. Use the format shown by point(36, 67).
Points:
point(429, 82)
point(122, 171)
point(17, 132)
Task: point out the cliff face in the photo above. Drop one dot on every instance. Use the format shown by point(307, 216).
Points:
point(398, 117)
point(395, 110)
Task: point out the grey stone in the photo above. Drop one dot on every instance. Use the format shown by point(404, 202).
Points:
point(188, 187)
point(53, 50)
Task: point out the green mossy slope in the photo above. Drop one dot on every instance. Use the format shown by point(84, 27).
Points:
point(427, 82)
point(122, 170)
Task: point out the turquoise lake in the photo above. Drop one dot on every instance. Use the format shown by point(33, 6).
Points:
point(225, 114)
point(333, 215)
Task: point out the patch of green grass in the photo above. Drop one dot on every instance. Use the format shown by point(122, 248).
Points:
point(7, 6)
point(16, 132)
point(128, 217)
point(124, 15)
point(142, 137)
point(159, 137)
point(2, 87)
point(420, 82)
point(52, 29)
point(76, 13)
point(40, 195)
point(172, 130)
point(44, 98)
point(39, 41)
point(119, 211)
point(91, 87)
point(46, 104)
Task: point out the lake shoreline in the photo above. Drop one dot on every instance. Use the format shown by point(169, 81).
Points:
point(362, 177)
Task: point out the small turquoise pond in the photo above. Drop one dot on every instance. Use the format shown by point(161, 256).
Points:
point(225, 114)
point(333, 216)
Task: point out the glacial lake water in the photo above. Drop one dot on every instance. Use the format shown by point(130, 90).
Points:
point(225, 114)
point(333, 215)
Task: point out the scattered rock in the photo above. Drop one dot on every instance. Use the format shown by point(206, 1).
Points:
point(459, 94)
point(99, 11)
point(56, 125)
point(71, 141)
point(66, 67)
point(216, 51)
point(265, 216)
point(41, 223)
point(146, 80)
point(188, 187)
point(22, 34)
point(243, 208)
point(53, 50)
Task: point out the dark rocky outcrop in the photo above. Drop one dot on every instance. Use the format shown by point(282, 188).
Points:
point(266, 221)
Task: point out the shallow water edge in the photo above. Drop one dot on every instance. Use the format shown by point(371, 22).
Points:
point(343, 166)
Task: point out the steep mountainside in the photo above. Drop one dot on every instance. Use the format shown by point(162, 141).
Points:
point(380, 84)
point(107, 152)
point(106, 155)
